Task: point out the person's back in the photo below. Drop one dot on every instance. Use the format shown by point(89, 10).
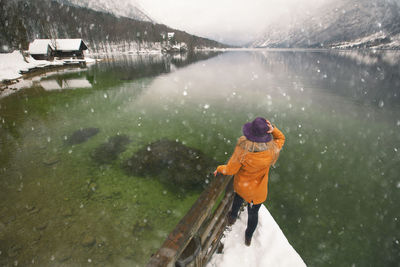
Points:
point(254, 154)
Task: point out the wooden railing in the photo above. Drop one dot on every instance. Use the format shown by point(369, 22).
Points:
point(198, 234)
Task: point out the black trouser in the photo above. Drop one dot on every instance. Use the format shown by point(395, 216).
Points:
point(252, 211)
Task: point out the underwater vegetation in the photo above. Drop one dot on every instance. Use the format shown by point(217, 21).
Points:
point(109, 151)
point(174, 164)
point(82, 135)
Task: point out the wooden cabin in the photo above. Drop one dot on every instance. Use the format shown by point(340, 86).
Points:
point(70, 48)
point(41, 49)
point(48, 49)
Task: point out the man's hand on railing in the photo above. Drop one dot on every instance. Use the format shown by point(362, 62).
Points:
point(215, 173)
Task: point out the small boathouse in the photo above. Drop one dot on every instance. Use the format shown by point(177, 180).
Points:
point(48, 49)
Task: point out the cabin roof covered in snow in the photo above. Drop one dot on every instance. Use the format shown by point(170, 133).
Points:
point(40, 46)
point(70, 44)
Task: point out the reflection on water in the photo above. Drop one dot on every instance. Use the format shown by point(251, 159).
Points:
point(334, 191)
point(368, 58)
point(50, 85)
point(129, 67)
point(360, 76)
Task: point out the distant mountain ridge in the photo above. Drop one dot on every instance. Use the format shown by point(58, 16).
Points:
point(342, 24)
point(120, 8)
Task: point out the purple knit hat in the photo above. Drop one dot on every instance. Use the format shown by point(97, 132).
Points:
point(256, 131)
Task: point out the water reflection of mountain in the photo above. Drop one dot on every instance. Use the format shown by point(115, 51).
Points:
point(186, 59)
point(372, 77)
point(130, 67)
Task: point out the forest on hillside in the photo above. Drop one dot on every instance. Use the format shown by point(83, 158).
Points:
point(25, 20)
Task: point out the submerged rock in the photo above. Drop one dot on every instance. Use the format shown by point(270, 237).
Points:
point(82, 135)
point(64, 257)
point(36, 236)
point(174, 164)
point(88, 241)
point(67, 212)
point(51, 161)
point(141, 226)
point(92, 187)
point(42, 226)
point(34, 210)
point(14, 250)
point(109, 151)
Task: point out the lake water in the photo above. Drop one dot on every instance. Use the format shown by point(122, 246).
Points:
point(334, 192)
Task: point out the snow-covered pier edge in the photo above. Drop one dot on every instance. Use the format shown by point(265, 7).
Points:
point(198, 236)
point(269, 246)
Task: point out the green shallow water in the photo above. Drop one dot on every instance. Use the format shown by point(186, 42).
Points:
point(334, 191)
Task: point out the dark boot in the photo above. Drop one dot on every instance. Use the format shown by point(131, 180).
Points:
point(252, 222)
point(233, 214)
point(230, 219)
point(247, 241)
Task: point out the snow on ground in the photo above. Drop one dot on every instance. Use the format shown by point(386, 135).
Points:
point(12, 63)
point(269, 246)
point(123, 47)
point(393, 43)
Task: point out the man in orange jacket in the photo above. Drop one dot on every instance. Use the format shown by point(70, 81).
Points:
point(254, 154)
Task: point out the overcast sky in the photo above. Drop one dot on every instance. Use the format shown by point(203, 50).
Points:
point(228, 21)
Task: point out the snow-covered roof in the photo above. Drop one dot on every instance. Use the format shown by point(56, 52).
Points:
point(70, 44)
point(40, 46)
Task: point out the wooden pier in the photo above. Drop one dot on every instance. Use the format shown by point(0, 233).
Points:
point(197, 236)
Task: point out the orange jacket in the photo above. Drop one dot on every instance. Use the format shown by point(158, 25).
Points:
point(251, 170)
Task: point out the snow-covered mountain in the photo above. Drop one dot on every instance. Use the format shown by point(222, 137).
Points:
point(340, 23)
point(119, 8)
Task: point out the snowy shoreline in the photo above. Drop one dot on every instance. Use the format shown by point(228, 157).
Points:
point(14, 66)
point(15, 69)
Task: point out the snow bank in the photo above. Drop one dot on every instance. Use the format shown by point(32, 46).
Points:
point(269, 246)
point(11, 64)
